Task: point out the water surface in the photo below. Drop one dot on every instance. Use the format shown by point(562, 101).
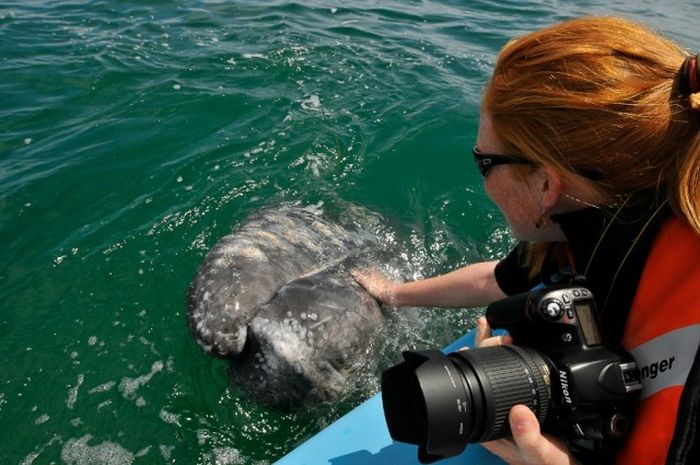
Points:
point(133, 135)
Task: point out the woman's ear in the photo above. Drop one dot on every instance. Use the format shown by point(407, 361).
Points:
point(548, 184)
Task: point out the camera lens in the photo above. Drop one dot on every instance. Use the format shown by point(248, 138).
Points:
point(442, 402)
point(508, 375)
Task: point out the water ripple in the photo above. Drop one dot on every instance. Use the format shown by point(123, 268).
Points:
point(133, 136)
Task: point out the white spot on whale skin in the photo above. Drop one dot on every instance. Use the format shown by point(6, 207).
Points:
point(322, 322)
point(202, 328)
point(285, 340)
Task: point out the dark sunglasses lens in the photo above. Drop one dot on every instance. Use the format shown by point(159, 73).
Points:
point(484, 163)
point(487, 161)
point(484, 168)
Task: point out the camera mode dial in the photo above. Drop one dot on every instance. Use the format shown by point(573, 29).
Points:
point(552, 309)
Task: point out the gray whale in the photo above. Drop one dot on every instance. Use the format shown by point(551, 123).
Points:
point(276, 298)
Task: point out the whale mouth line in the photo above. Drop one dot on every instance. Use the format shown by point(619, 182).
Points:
point(326, 267)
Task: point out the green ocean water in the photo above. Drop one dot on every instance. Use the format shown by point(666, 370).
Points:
point(135, 134)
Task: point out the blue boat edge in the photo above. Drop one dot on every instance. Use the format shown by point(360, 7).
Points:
point(361, 437)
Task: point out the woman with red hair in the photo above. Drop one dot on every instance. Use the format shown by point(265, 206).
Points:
point(589, 144)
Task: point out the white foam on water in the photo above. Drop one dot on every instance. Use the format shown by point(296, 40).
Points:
point(168, 417)
point(104, 404)
point(166, 451)
point(77, 451)
point(104, 387)
point(129, 386)
point(73, 392)
point(227, 456)
point(202, 437)
point(30, 458)
point(311, 103)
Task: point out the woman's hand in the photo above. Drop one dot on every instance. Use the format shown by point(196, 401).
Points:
point(483, 336)
point(528, 446)
point(378, 285)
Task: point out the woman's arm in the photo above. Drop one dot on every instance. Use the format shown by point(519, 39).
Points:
point(471, 286)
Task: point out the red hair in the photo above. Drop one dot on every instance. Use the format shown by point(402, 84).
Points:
point(601, 94)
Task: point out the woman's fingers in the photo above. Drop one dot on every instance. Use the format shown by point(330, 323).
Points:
point(483, 331)
point(378, 285)
point(506, 450)
point(528, 446)
point(533, 446)
point(483, 336)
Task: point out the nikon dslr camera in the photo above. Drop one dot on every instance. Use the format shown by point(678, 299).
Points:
point(579, 388)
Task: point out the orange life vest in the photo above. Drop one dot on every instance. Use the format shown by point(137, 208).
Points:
point(662, 333)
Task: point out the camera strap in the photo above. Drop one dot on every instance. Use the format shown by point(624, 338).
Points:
point(650, 221)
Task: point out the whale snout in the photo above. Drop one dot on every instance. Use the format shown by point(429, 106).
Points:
point(217, 329)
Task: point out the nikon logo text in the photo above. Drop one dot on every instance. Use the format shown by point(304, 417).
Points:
point(564, 381)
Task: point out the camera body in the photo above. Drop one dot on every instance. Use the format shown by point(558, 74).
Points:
point(593, 384)
point(579, 388)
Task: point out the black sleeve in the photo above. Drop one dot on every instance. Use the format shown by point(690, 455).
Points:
point(511, 273)
point(685, 446)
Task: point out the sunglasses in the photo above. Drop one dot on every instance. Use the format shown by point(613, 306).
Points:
point(486, 161)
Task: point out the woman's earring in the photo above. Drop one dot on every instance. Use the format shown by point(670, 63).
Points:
point(542, 220)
